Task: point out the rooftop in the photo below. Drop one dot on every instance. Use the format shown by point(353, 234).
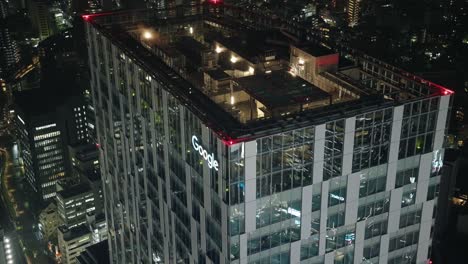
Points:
point(86, 152)
point(75, 232)
point(75, 190)
point(315, 49)
point(218, 74)
point(286, 91)
point(97, 253)
point(281, 89)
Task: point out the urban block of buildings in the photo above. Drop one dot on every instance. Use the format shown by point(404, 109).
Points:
point(227, 139)
point(49, 128)
point(73, 241)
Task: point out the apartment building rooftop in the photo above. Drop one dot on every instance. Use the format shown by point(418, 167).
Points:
point(251, 88)
point(73, 191)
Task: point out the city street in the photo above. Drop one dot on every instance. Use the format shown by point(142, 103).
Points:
point(21, 217)
point(6, 221)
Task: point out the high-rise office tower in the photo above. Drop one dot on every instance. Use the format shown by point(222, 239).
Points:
point(215, 150)
point(41, 18)
point(353, 10)
point(41, 140)
point(9, 52)
point(75, 112)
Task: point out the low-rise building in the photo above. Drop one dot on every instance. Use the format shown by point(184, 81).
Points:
point(74, 203)
point(73, 241)
point(48, 222)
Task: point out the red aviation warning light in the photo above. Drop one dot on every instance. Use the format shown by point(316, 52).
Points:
point(215, 2)
point(447, 91)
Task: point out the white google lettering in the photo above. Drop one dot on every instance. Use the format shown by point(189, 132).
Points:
point(212, 163)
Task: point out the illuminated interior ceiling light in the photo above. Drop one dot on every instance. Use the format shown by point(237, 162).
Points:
point(234, 59)
point(191, 30)
point(301, 61)
point(232, 100)
point(218, 49)
point(251, 70)
point(147, 35)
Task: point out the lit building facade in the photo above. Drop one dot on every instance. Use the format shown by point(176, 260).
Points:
point(77, 123)
point(9, 52)
point(74, 203)
point(49, 222)
point(354, 12)
point(48, 157)
point(41, 18)
point(311, 162)
point(41, 152)
point(71, 242)
point(41, 138)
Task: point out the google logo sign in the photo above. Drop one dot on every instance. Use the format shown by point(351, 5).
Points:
point(212, 163)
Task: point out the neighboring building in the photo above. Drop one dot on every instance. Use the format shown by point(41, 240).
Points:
point(95, 254)
point(80, 205)
point(4, 9)
point(74, 203)
point(337, 166)
point(85, 168)
point(9, 52)
point(40, 135)
point(46, 121)
point(95, 182)
point(41, 18)
point(49, 222)
point(354, 12)
point(84, 159)
point(75, 116)
point(74, 241)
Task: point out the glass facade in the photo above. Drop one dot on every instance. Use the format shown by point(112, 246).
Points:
point(348, 189)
